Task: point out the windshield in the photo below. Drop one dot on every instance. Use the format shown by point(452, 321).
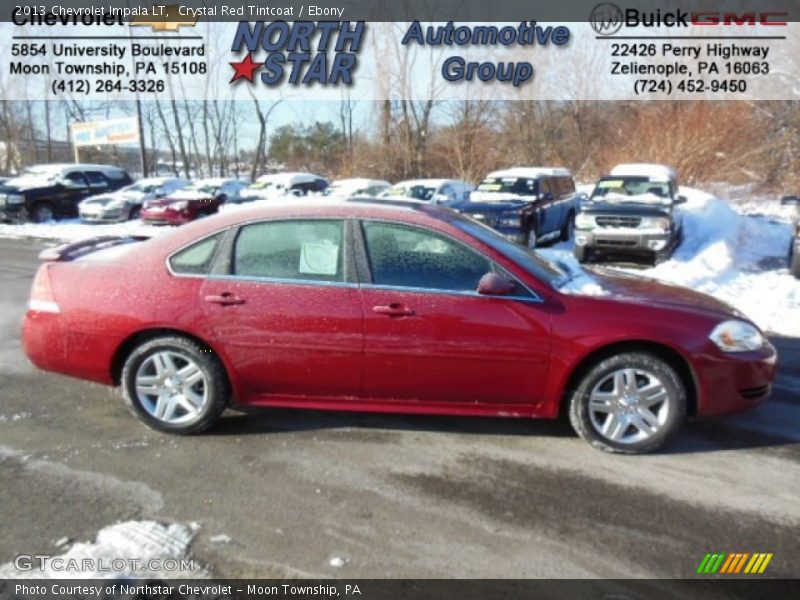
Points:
point(418, 192)
point(45, 172)
point(203, 187)
point(620, 187)
point(144, 188)
point(509, 185)
point(533, 262)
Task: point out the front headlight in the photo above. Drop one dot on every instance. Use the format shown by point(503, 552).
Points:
point(15, 199)
point(737, 336)
point(661, 223)
point(584, 221)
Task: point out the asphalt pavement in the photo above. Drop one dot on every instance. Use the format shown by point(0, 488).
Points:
point(391, 496)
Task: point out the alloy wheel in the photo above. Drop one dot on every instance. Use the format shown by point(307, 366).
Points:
point(629, 405)
point(171, 387)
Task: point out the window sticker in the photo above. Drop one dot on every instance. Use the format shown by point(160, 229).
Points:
point(319, 258)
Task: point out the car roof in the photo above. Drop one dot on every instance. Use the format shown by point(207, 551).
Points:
point(289, 178)
point(650, 170)
point(428, 182)
point(532, 172)
point(359, 181)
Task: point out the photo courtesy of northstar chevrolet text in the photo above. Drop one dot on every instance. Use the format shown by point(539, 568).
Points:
point(370, 295)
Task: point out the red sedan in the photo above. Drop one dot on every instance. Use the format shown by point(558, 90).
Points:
point(388, 307)
point(200, 199)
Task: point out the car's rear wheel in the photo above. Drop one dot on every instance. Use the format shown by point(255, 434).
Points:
point(43, 212)
point(532, 237)
point(629, 403)
point(581, 254)
point(174, 384)
point(568, 228)
point(134, 213)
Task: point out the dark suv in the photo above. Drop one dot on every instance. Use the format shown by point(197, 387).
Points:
point(46, 192)
point(632, 213)
point(527, 205)
point(794, 248)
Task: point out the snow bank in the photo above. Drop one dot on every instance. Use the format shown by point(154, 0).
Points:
point(736, 252)
point(153, 545)
point(72, 230)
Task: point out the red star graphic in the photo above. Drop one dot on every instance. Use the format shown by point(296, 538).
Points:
point(245, 68)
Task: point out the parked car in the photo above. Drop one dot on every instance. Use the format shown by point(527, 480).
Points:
point(528, 205)
point(794, 247)
point(281, 184)
point(200, 199)
point(47, 192)
point(387, 307)
point(632, 212)
point(437, 191)
point(345, 188)
point(126, 203)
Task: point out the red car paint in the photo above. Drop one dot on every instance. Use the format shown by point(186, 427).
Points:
point(317, 346)
point(169, 211)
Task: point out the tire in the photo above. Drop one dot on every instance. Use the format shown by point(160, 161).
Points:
point(531, 237)
point(568, 228)
point(659, 391)
point(580, 253)
point(186, 407)
point(134, 213)
point(43, 212)
point(794, 263)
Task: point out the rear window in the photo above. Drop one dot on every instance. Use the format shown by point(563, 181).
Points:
point(197, 258)
point(509, 185)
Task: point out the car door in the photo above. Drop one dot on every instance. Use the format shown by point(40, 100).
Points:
point(75, 190)
point(428, 336)
point(548, 217)
point(283, 306)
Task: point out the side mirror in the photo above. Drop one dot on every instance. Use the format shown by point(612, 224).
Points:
point(790, 200)
point(440, 198)
point(681, 200)
point(547, 197)
point(493, 284)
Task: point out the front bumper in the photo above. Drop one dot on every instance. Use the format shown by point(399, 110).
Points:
point(103, 216)
point(733, 382)
point(616, 241)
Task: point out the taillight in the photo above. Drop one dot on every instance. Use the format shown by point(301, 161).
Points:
point(42, 298)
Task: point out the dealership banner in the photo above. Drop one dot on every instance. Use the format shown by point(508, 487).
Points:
point(101, 133)
point(412, 50)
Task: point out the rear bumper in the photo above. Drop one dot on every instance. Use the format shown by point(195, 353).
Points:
point(734, 382)
point(49, 346)
point(166, 217)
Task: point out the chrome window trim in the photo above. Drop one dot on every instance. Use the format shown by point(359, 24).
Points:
point(281, 280)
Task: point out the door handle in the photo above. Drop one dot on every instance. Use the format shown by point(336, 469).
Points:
point(225, 299)
point(395, 309)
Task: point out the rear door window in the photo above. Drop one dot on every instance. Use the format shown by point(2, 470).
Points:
point(308, 250)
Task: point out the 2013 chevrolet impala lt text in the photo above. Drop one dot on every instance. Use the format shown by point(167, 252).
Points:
point(387, 306)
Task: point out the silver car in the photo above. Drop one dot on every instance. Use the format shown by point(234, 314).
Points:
point(125, 204)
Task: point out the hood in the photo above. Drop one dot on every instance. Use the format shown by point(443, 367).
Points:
point(472, 206)
point(494, 197)
point(103, 199)
point(20, 184)
point(642, 290)
point(628, 209)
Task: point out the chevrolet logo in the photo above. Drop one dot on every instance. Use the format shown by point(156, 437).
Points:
point(168, 19)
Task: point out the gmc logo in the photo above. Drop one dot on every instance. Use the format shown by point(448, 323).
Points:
point(729, 18)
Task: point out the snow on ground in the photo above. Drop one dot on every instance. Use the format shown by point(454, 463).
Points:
point(161, 551)
point(71, 230)
point(735, 251)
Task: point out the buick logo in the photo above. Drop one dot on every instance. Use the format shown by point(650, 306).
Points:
point(606, 18)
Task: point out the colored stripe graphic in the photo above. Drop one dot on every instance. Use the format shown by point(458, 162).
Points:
point(734, 563)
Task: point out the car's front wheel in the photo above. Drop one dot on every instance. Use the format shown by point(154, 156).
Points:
point(43, 212)
point(629, 403)
point(174, 384)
